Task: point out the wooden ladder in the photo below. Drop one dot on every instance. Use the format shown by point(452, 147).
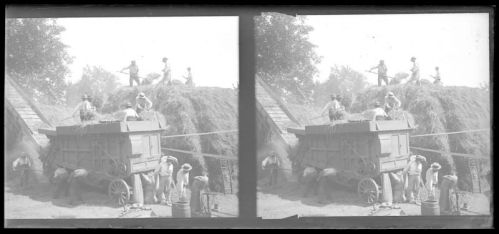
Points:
point(227, 176)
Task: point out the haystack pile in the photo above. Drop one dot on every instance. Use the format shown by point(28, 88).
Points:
point(438, 109)
point(192, 110)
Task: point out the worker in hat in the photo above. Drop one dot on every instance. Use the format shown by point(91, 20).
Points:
point(341, 113)
point(272, 164)
point(129, 113)
point(142, 103)
point(76, 180)
point(134, 73)
point(413, 174)
point(61, 180)
point(183, 181)
point(85, 108)
point(436, 77)
point(432, 179)
point(23, 165)
point(391, 102)
point(167, 72)
point(332, 107)
point(188, 78)
point(199, 206)
point(414, 72)
point(164, 181)
point(382, 72)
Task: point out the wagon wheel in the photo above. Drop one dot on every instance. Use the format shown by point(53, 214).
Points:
point(368, 190)
point(119, 191)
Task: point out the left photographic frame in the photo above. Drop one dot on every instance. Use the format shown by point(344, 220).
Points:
point(121, 117)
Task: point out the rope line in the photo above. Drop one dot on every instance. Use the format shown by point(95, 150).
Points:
point(449, 133)
point(200, 134)
point(451, 153)
point(204, 154)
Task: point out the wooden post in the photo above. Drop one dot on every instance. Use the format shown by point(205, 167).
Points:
point(138, 192)
point(386, 188)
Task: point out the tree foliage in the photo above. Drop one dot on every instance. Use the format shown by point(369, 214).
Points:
point(342, 80)
point(285, 58)
point(36, 58)
point(96, 82)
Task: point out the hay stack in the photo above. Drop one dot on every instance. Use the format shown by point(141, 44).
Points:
point(192, 110)
point(442, 109)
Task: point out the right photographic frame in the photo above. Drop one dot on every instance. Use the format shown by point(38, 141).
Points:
point(373, 115)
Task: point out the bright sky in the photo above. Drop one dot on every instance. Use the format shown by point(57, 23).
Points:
point(209, 45)
point(457, 43)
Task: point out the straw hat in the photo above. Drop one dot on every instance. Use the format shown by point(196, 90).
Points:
point(186, 167)
point(141, 95)
point(422, 158)
point(389, 94)
point(435, 166)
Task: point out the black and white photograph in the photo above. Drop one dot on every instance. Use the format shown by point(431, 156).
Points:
point(121, 117)
point(373, 115)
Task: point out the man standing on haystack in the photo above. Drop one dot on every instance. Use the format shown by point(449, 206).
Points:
point(415, 72)
point(413, 171)
point(382, 70)
point(134, 73)
point(23, 165)
point(167, 73)
point(432, 179)
point(188, 78)
point(272, 164)
point(183, 181)
point(436, 77)
point(164, 173)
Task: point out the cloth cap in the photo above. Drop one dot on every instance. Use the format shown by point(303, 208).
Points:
point(390, 94)
point(141, 95)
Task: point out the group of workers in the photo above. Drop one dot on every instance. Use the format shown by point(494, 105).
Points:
point(415, 73)
point(88, 111)
point(337, 111)
point(133, 69)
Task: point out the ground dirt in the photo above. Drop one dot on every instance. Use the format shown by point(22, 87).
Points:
point(36, 202)
point(286, 200)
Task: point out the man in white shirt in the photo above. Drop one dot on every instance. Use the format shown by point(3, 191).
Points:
point(23, 165)
point(432, 179)
point(391, 102)
point(188, 78)
point(85, 108)
point(164, 173)
point(415, 72)
point(382, 70)
point(183, 181)
point(272, 164)
point(377, 113)
point(413, 171)
point(167, 73)
point(129, 113)
point(332, 107)
point(134, 73)
point(436, 77)
point(142, 103)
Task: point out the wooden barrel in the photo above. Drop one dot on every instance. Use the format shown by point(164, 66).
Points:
point(429, 208)
point(181, 209)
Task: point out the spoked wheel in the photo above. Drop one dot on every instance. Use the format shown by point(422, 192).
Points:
point(368, 191)
point(119, 191)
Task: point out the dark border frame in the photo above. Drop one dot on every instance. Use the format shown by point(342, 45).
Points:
point(247, 121)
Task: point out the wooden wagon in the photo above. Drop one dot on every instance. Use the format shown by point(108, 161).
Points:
point(360, 151)
point(111, 151)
